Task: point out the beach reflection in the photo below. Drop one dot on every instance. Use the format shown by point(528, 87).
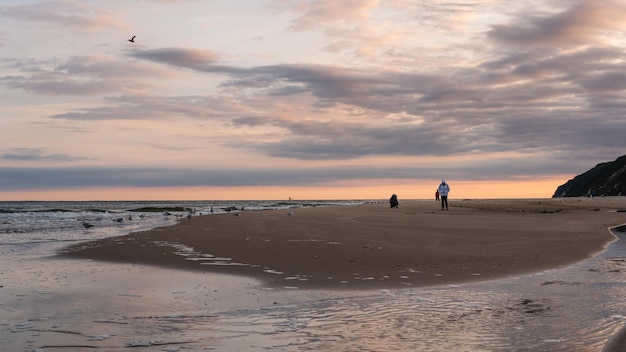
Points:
point(577, 308)
point(437, 320)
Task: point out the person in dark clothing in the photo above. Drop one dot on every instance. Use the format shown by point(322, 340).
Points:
point(393, 201)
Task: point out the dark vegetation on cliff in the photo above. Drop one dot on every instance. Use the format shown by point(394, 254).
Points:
point(605, 179)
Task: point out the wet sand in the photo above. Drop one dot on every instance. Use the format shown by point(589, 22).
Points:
point(373, 246)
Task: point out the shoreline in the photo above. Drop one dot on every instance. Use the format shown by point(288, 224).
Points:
point(372, 246)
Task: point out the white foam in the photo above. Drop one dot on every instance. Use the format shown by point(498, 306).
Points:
point(224, 264)
point(141, 343)
point(99, 337)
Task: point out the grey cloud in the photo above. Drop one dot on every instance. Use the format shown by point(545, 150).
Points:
point(12, 178)
point(82, 75)
point(140, 107)
point(316, 13)
point(611, 80)
point(37, 154)
point(45, 178)
point(64, 13)
point(199, 60)
point(286, 79)
point(318, 140)
point(535, 101)
point(524, 100)
point(581, 23)
point(324, 81)
point(251, 121)
point(59, 86)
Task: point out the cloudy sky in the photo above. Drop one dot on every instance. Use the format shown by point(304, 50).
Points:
point(270, 99)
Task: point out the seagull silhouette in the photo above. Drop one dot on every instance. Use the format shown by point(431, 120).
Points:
point(132, 40)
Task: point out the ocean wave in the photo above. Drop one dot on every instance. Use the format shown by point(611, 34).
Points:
point(45, 222)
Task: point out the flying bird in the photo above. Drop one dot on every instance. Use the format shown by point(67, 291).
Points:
point(132, 40)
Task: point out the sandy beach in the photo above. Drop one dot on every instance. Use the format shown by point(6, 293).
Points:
point(374, 246)
point(364, 277)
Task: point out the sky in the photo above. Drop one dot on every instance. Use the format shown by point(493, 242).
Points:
point(328, 99)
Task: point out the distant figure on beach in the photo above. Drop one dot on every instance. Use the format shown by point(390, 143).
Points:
point(443, 192)
point(437, 195)
point(393, 201)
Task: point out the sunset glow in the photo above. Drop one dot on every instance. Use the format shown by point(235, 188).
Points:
point(382, 189)
point(271, 99)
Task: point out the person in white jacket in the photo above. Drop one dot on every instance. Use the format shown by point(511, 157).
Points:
point(444, 189)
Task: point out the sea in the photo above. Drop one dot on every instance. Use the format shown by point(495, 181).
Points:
point(28, 225)
point(49, 303)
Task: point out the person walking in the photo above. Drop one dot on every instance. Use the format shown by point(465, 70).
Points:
point(437, 196)
point(444, 189)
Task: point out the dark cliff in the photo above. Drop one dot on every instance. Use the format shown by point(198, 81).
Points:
point(605, 179)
